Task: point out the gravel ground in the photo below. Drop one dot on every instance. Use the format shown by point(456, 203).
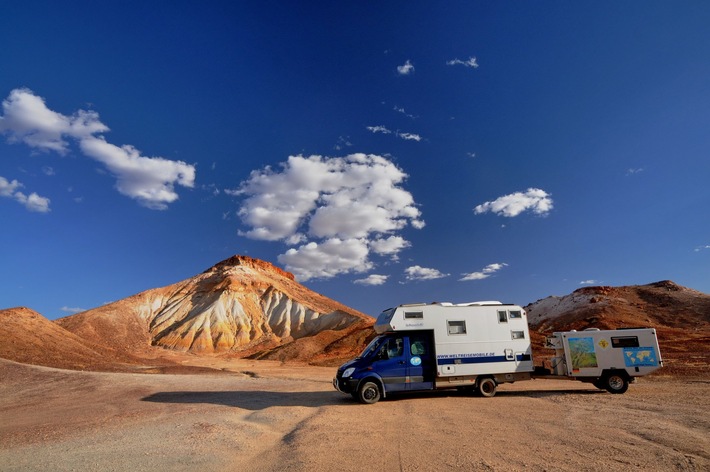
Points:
point(261, 415)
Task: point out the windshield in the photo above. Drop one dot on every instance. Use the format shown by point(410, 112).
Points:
point(372, 347)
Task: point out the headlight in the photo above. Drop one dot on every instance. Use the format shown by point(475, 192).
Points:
point(348, 372)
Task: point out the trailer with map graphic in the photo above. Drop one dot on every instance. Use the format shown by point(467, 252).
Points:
point(609, 359)
point(477, 346)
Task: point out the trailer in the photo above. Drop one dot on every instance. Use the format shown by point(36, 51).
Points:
point(475, 347)
point(609, 359)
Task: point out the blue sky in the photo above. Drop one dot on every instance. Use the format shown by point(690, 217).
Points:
point(384, 153)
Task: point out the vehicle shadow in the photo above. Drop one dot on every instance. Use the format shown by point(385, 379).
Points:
point(548, 393)
point(261, 399)
point(499, 393)
point(253, 399)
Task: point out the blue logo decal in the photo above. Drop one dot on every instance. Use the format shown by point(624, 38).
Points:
point(416, 360)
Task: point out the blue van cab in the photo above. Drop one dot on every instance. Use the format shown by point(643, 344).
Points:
point(393, 362)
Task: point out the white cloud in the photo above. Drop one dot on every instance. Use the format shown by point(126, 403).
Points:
point(389, 246)
point(32, 202)
point(470, 62)
point(150, 180)
point(373, 279)
point(533, 199)
point(402, 111)
point(405, 69)
point(7, 188)
point(340, 209)
point(409, 136)
point(67, 309)
point(589, 282)
point(634, 171)
point(343, 142)
point(697, 249)
point(27, 119)
point(328, 259)
point(423, 273)
point(384, 130)
point(486, 272)
point(378, 129)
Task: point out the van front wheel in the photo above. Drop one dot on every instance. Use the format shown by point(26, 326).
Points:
point(369, 393)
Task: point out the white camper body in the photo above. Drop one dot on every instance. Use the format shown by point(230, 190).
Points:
point(470, 339)
point(593, 352)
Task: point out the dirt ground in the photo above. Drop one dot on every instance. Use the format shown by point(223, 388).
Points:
point(261, 415)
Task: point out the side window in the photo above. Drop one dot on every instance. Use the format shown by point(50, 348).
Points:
point(456, 327)
point(517, 334)
point(394, 347)
point(502, 316)
point(416, 315)
point(515, 314)
point(417, 347)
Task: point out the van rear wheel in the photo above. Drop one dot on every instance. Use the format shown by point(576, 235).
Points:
point(369, 393)
point(486, 387)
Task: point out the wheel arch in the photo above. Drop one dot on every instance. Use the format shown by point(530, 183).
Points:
point(615, 371)
point(373, 378)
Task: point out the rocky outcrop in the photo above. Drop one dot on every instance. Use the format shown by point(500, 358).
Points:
point(662, 303)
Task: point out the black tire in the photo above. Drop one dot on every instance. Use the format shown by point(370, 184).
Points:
point(486, 387)
point(616, 383)
point(368, 393)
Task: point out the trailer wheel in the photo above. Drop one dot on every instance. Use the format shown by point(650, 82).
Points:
point(616, 383)
point(369, 393)
point(486, 387)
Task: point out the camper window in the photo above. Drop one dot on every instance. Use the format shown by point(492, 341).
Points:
point(517, 334)
point(417, 315)
point(515, 314)
point(456, 327)
point(625, 341)
point(502, 316)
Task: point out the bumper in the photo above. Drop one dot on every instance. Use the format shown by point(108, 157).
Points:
point(345, 385)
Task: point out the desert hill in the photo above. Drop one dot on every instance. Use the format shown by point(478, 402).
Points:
point(30, 338)
point(240, 305)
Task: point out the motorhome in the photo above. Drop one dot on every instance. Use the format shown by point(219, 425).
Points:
point(477, 346)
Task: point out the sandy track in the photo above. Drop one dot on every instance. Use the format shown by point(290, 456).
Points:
point(275, 417)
